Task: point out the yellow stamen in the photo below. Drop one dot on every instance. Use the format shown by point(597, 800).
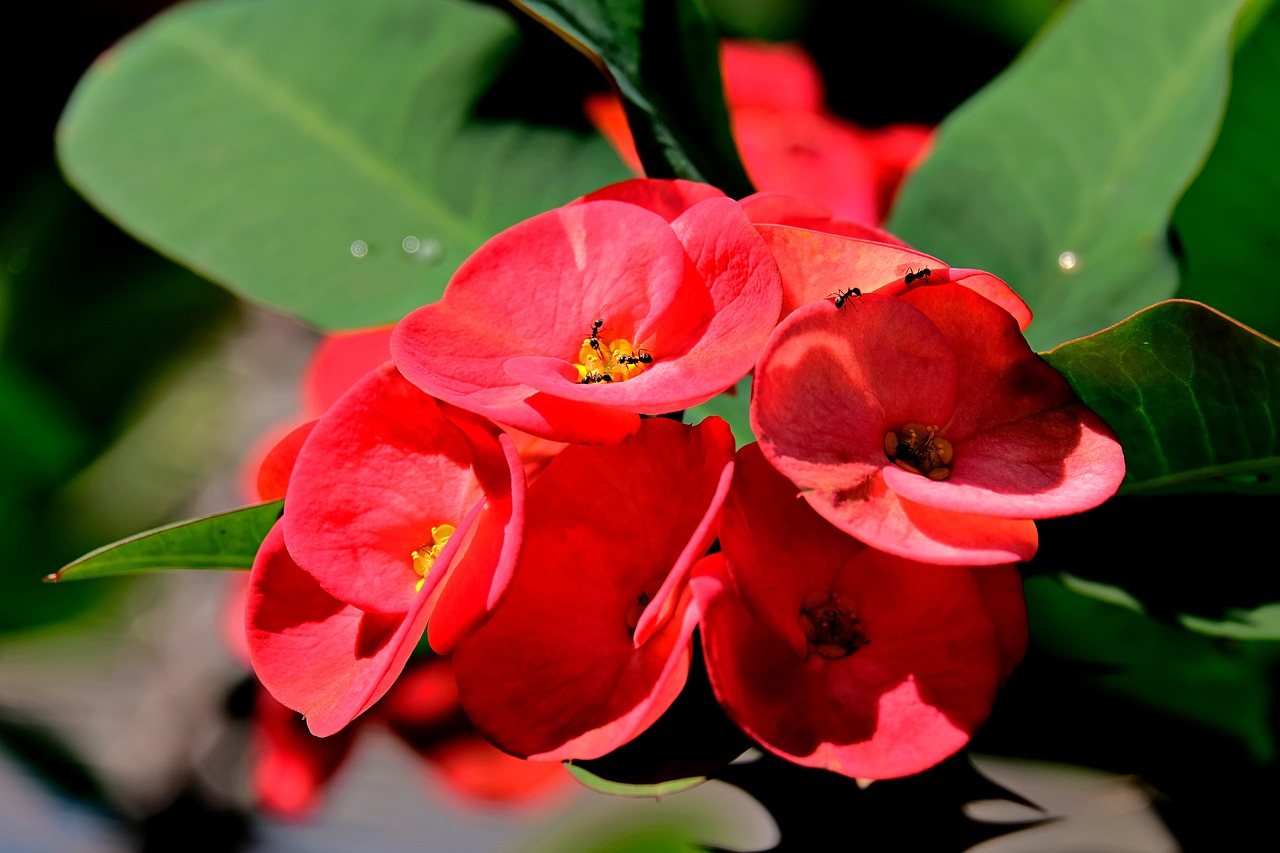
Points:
point(918, 448)
point(425, 557)
point(600, 361)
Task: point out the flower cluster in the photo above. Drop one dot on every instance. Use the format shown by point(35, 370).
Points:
point(508, 484)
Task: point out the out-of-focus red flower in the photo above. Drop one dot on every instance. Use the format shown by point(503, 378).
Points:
point(835, 655)
point(924, 425)
point(591, 643)
point(423, 708)
point(788, 140)
point(643, 298)
point(292, 768)
point(399, 508)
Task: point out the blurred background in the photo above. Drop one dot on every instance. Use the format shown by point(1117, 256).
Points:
point(131, 394)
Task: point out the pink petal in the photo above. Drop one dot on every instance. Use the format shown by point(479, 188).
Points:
point(832, 381)
point(667, 198)
point(995, 290)
point(815, 265)
point(776, 208)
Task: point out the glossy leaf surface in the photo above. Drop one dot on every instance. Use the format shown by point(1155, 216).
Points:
point(1191, 394)
point(1060, 176)
point(225, 540)
point(319, 158)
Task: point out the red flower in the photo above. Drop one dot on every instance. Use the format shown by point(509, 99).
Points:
point(835, 655)
point(399, 508)
point(591, 643)
point(788, 141)
point(926, 427)
point(648, 297)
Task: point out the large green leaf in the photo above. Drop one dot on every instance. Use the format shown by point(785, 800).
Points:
point(1191, 393)
point(663, 56)
point(297, 150)
point(225, 540)
point(1179, 672)
point(1083, 146)
point(1227, 220)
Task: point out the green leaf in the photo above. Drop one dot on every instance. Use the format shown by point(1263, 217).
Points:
point(664, 59)
point(290, 149)
point(1083, 146)
point(1178, 672)
point(734, 406)
point(1191, 394)
point(1226, 221)
point(224, 540)
point(1262, 623)
point(623, 789)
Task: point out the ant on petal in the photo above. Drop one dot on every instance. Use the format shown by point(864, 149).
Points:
point(841, 297)
point(912, 275)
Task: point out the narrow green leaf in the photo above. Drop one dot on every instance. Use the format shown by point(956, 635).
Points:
point(316, 156)
point(1191, 393)
point(1226, 221)
point(224, 540)
point(622, 789)
point(664, 59)
point(1083, 146)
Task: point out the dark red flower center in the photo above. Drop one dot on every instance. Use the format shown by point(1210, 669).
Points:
point(919, 449)
point(601, 360)
point(830, 626)
point(425, 556)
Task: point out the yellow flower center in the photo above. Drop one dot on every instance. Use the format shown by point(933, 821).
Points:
point(600, 360)
point(830, 626)
point(425, 557)
point(920, 450)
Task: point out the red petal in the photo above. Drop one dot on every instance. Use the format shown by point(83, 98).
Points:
point(380, 469)
point(892, 707)
point(556, 673)
point(323, 658)
point(535, 290)
point(776, 75)
point(277, 464)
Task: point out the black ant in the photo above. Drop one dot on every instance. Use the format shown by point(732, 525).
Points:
point(912, 275)
point(639, 358)
point(595, 376)
point(594, 340)
point(842, 297)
